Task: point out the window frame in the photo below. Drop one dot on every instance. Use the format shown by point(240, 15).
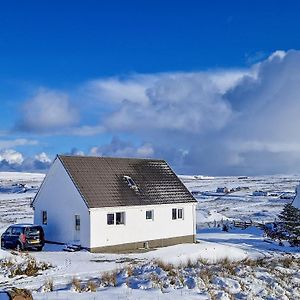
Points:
point(152, 215)
point(174, 213)
point(77, 222)
point(178, 213)
point(113, 219)
point(44, 217)
point(180, 217)
point(122, 218)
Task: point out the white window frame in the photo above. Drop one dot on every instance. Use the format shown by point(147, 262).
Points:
point(114, 214)
point(123, 217)
point(176, 215)
point(182, 213)
point(152, 215)
point(113, 223)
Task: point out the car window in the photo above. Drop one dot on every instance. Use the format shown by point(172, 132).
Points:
point(16, 230)
point(8, 230)
point(32, 230)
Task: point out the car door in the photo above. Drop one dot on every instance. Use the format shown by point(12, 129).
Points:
point(15, 235)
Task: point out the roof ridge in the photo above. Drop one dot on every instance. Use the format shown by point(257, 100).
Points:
point(110, 157)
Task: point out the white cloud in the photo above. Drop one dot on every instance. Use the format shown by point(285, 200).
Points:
point(11, 157)
point(214, 122)
point(4, 144)
point(121, 148)
point(47, 111)
point(176, 102)
point(42, 157)
point(225, 122)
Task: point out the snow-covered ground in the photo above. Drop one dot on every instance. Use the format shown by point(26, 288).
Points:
point(214, 245)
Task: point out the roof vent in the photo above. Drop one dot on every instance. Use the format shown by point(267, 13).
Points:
point(131, 183)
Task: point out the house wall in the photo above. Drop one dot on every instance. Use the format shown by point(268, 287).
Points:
point(296, 201)
point(62, 201)
point(159, 232)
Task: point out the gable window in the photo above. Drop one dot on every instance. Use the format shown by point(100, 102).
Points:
point(177, 213)
point(77, 222)
point(149, 214)
point(44, 217)
point(110, 219)
point(120, 218)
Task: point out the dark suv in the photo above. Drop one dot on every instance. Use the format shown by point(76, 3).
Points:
point(23, 236)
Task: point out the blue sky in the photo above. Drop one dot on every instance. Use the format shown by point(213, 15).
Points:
point(186, 81)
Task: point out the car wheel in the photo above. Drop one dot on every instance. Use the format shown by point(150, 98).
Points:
point(40, 248)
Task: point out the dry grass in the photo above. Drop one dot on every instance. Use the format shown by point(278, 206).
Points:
point(228, 266)
point(110, 278)
point(164, 266)
point(16, 293)
point(91, 286)
point(48, 286)
point(206, 275)
point(29, 266)
point(76, 284)
point(129, 270)
point(287, 262)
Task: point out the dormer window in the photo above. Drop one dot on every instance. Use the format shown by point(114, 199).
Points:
point(131, 182)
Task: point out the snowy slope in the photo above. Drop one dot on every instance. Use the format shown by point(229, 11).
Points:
point(18, 189)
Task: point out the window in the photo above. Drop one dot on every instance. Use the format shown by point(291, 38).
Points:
point(177, 213)
point(77, 222)
point(174, 213)
point(180, 213)
point(120, 218)
point(16, 230)
point(131, 183)
point(44, 217)
point(110, 219)
point(149, 214)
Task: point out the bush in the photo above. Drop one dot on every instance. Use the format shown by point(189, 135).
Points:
point(29, 266)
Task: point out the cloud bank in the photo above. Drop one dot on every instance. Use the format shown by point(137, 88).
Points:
point(219, 122)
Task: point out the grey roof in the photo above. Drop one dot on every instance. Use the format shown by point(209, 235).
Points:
point(101, 182)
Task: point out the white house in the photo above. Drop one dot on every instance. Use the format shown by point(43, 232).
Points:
point(296, 201)
point(114, 204)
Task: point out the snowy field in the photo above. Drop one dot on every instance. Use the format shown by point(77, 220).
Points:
point(255, 269)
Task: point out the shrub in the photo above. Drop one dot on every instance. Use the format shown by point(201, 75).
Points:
point(91, 286)
point(48, 286)
point(110, 279)
point(164, 266)
point(76, 284)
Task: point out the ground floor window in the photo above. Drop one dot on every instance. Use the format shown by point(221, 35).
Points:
point(110, 219)
point(120, 218)
point(77, 222)
point(117, 218)
point(177, 213)
point(149, 214)
point(44, 217)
